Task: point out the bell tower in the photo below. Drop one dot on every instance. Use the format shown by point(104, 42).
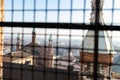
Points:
point(93, 12)
point(105, 47)
point(18, 44)
point(33, 36)
point(49, 55)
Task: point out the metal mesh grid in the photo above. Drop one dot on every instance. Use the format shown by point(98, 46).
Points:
point(68, 22)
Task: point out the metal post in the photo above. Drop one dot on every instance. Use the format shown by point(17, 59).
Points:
point(95, 19)
point(1, 35)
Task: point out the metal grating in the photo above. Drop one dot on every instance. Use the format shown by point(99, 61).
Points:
point(43, 40)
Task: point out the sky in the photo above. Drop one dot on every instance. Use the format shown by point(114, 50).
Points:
point(64, 13)
point(23, 11)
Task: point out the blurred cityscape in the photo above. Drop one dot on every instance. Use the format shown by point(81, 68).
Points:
point(62, 44)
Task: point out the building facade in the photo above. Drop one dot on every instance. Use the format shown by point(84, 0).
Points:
point(38, 54)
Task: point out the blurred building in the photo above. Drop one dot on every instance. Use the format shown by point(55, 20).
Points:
point(35, 53)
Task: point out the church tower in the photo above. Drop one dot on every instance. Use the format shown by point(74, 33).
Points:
point(50, 40)
point(93, 13)
point(33, 36)
point(18, 44)
point(49, 55)
point(105, 47)
point(105, 44)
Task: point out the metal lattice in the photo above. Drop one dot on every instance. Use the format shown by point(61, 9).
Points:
point(59, 39)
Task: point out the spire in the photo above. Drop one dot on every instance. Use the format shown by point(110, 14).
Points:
point(93, 5)
point(104, 42)
point(18, 36)
point(33, 30)
point(33, 36)
point(50, 40)
point(49, 56)
point(18, 44)
point(105, 49)
point(50, 37)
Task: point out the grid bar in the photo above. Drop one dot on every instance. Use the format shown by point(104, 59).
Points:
point(60, 25)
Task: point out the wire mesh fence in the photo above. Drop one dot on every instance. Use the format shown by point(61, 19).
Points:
point(55, 40)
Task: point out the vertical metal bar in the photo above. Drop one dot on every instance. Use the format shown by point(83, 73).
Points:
point(23, 9)
point(113, 6)
point(84, 10)
point(97, 12)
point(45, 35)
point(70, 35)
point(97, 22)
point(57, 40)
point(33, 40)
point(96, 54)
point(11, 45)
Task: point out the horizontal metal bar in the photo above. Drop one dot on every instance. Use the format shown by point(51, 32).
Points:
point(59, 25)
point(88, 9)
